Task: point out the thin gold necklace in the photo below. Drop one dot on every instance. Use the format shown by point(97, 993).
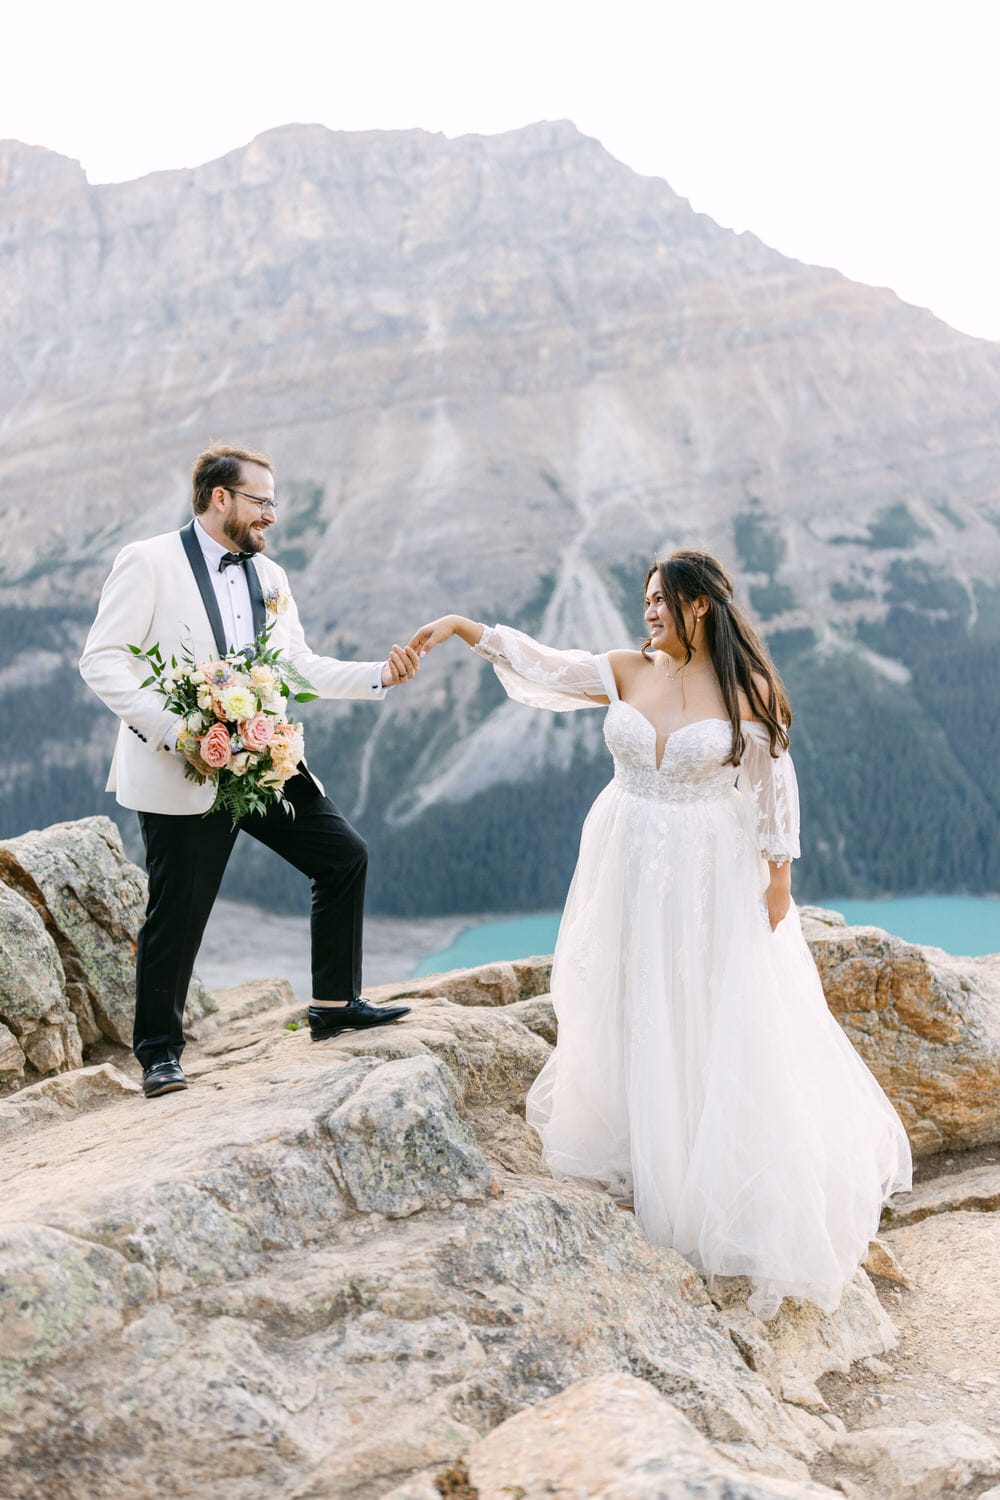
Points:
point(672, 676)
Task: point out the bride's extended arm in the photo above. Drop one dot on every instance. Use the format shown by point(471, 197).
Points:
point(530, 672)
point(429, 636)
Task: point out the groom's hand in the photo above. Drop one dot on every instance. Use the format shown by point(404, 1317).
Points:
point(403, 663)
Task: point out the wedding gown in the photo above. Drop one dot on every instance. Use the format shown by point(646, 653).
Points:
point(698, 1071)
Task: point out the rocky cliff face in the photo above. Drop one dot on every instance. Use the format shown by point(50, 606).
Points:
point(343, 1271)
point(337, 1266)
point(497, 374)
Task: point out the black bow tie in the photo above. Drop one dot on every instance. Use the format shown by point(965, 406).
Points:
point(234, 560)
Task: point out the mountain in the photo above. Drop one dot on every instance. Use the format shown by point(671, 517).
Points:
point(498, 374)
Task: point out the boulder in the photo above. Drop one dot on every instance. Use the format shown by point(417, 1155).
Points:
point(246, 1271)
point(12, 1059)
point(976, 1188)
point(920, 1462)
point(793, 1350)
point(52, 1098)
point(880, 1261)
point(538, 1014)
point(928, 1026)
point(37, 1022)
point(91, 900)
point(614, 1436)
point(401, 1145)
point(494, 1057)
point(243, 1003)
point(490, 984)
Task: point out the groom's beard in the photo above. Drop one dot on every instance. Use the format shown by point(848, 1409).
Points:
point(242, 535)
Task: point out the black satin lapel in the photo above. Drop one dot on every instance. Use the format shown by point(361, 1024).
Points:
point(199, 568)
point(257, 608)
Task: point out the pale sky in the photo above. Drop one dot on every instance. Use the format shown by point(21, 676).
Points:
point(861, 134)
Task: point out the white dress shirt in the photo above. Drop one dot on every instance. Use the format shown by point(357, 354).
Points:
point(232, 592)
point(233, 595)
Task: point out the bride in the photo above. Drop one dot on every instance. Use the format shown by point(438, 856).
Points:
point(698, 1072)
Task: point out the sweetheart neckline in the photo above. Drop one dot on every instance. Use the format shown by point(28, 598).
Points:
point(658, 764)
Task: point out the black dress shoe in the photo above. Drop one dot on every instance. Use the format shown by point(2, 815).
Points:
point(163, 1078)
point(331, 1020)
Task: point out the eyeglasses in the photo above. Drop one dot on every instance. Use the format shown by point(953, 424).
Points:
point(268, 504)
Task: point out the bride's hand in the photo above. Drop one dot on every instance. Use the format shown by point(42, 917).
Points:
point(779, 899)
point(429, 636)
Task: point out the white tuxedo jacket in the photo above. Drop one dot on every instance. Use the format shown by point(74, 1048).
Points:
point(153, 594)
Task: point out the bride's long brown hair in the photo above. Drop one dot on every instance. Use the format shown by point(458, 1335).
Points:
point(736, 650)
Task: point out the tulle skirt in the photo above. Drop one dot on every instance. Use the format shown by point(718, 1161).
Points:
point(698, 1071)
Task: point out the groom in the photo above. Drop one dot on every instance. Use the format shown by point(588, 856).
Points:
point(204, 587)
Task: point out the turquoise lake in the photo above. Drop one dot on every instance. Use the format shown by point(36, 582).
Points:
point(959, 924)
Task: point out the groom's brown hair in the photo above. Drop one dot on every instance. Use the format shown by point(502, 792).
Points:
point(223, 466)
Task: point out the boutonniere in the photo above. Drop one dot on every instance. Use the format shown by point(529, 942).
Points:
point(276, 601)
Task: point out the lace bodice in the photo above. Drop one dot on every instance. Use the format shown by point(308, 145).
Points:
point(692, 767)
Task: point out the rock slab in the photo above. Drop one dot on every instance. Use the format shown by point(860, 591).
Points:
point(614, 1436)
point(928, 1026)
point(920, 1462)
point(69, 975)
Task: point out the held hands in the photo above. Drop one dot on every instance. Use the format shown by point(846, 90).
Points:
point(429, 636)
point(404, 661)
point(402, 665)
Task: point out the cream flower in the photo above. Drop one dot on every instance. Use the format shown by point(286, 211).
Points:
point(238, 702)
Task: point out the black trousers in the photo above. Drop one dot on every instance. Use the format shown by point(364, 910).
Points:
point(186, 857)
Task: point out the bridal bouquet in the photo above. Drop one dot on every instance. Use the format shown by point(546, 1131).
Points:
point(233, 726)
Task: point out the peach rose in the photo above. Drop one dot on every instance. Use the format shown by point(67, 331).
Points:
point(216, 750)
point(257, 731)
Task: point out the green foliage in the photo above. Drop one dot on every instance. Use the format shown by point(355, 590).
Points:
point(951, 516)
point(844, 592)
point(771, 599)
point(512, 848)
point(896, 526)
point(987, 611)
point(785, 645)
point(529, 617)
point(759, 544)
point(301, 524)
point(920, 589)
point(888, 802)
point(46, 627)
point(899, 783)
point(955, 679)
point(624, 580)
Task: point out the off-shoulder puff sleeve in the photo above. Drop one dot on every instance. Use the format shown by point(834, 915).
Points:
point(769, 781)
point(543, 677)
